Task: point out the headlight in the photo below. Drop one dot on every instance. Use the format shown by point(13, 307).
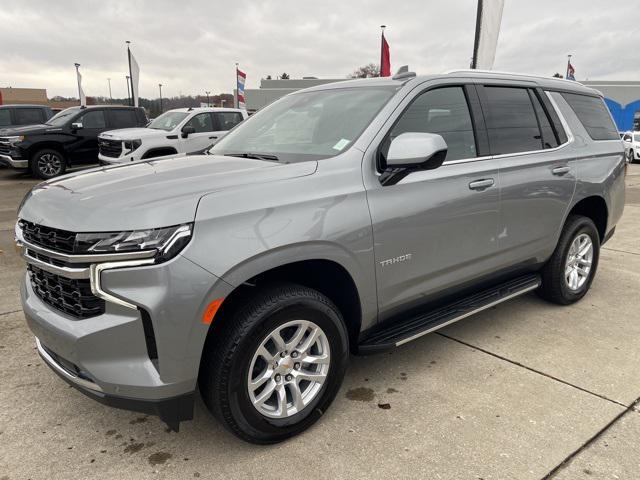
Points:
point(168, 241)
point(131, 145)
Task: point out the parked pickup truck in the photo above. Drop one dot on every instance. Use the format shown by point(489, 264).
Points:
point(179, 131)
point(348, 218)
point(20, 115)
point(69, 138)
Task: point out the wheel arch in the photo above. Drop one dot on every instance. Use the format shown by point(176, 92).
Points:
point(595, 208)
point(159, 152)
point(36, 147)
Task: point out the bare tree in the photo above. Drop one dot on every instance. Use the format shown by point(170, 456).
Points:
point(284, 76)
point(557, 75)
point(366, 71)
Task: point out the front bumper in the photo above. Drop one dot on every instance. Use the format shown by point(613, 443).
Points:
point(13, 162)
point(108, 356)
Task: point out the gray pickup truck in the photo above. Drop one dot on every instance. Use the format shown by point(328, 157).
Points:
point(346, 218)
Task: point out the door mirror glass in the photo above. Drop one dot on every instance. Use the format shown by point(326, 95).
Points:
point(187, 130)
point(76, 126)
point(417, 151)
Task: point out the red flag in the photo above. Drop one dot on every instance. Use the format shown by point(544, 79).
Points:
point(385, 58)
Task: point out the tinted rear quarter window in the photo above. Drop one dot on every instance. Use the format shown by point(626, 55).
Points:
point(594, 116)
point(5, 117)
point(511, 120)
point(28, 116)
point(123, 118)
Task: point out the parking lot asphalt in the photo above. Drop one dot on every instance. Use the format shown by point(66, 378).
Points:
point(525, 390)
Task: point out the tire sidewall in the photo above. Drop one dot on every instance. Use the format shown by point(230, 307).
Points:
point(583, 226)
point(243, 411)
point(35, 168)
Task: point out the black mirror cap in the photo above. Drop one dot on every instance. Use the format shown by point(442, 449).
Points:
point(187, 130)
point(392, 175)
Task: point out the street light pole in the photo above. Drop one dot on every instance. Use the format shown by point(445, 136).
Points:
point(160, 87)
point(207, 93)
point(110, 96)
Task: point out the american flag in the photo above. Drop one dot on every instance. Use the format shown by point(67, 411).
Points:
point(240, 78)
point(571, 72)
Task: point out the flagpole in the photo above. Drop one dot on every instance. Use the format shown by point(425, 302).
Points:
point(237, 102)
point(382, 27)
point(476, 41)
point(131, 101)
point(78, 79)
point(568, 63)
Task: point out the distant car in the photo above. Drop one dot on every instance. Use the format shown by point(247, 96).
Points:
point(69, 138)
point(20, 115)
point(631, 141)
point(179, 131)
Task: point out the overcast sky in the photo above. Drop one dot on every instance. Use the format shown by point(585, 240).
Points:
point(191, 46)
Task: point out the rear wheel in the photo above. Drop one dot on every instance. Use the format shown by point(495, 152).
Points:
point(568, 274)
point(48, 163)
point(276, 364)
point(630, 156)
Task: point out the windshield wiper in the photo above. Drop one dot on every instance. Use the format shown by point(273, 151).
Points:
point(257, 156)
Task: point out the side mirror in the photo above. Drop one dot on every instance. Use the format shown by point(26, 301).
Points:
point(417, 151)
point(187, 130)
point(76, 126)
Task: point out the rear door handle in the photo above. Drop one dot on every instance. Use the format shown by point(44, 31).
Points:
point(481, 184)
point(212, 138)
point(560, 170)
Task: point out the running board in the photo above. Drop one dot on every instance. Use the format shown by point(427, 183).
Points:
point(403, 331)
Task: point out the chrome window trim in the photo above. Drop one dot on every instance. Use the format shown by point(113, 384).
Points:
point(63, 372)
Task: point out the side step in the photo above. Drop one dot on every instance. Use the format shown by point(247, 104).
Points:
point(403, 331)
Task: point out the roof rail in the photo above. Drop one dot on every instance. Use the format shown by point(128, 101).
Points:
point(496, 72)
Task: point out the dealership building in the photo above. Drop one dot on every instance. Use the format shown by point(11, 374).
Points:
point(622, 98)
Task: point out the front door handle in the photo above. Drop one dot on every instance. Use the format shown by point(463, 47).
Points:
point(560, 170)
point(481, 184)
point(212, 138)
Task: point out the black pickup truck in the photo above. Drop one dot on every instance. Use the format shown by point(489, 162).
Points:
point(69, 138)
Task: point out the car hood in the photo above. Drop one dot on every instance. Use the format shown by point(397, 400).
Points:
point(26, 130)
point(133, 133)
point(147, 194)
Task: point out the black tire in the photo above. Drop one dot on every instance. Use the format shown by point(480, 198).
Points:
point(229, 351)
point(48, 163)
point(554, 286)
point(632, 157)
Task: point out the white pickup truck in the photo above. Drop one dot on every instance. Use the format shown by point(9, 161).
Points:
point(179, 131)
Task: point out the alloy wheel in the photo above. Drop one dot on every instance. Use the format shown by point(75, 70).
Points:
point(288, 369)
point(579, 260)
point(50, 164)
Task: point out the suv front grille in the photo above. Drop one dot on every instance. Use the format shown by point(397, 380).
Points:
point(73, 297)
point(53, 238)
point(110, 148)
point(5, 148)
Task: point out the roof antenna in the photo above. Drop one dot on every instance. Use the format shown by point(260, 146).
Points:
point(403, 72)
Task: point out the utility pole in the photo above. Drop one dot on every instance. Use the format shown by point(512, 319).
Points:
point(207, 93)
point(160, 87)
point(110, 96)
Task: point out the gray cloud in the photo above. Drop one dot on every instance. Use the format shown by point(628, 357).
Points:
point(192, 46)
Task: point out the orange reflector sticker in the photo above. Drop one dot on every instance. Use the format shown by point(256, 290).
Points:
point(211, 311)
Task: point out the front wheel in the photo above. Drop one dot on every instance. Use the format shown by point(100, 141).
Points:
point(568, 274)
point(276, 364)
point(48, 163)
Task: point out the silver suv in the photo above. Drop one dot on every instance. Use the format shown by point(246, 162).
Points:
point(346, 218)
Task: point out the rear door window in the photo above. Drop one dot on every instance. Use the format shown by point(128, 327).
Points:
point(28, 116)
point(594, 116)
point(511, 120)
point(123, 118)
point(549, 138)
point(443, 111)
point(228, 120)
point(5, 117)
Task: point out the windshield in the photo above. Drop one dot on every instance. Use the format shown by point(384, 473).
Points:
point(168, 121)
point(63, 117)
point(308, 125)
